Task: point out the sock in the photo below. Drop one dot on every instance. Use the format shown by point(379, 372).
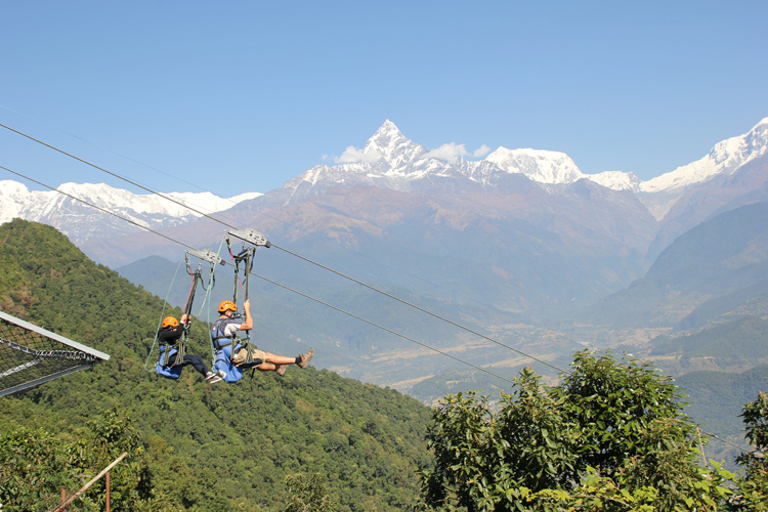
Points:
point(298, 360)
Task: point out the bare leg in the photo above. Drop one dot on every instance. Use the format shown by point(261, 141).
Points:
point(267, 367)
point(277, 360)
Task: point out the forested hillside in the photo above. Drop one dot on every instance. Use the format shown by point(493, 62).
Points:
point(210, 447)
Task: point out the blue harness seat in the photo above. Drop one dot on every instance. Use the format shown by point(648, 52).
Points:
point(225, 346)
point(170, 372)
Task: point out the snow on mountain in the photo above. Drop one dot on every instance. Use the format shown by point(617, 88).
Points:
point(661, 193)
point(81, 222)
point(724, 158)
point(616, 180)
point(540, 165)
point(390, 160)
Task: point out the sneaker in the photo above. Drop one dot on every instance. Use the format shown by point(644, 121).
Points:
point(212, 377)
point(280, 370)
point(305, 358)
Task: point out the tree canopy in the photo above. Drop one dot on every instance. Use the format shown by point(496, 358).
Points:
point(610, 436)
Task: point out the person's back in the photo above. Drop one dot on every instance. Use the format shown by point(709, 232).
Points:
point(169, 365)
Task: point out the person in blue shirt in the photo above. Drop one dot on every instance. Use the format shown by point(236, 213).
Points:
point(232, 358)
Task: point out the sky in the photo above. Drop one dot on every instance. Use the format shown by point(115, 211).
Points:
point(241, 96)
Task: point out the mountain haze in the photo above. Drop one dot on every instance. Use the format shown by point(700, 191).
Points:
point(726, 256)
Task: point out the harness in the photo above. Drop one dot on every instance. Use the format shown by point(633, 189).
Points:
point(162, 368)
point(226, 346)
point(178, 348)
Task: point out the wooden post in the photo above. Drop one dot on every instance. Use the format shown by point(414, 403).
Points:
point(63, 495)
point(701, 444)
point(72, 498)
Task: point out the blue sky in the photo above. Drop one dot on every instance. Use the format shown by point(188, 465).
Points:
point(239, 96)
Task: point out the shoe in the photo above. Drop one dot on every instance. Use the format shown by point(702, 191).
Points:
point(280, 370)
point(305, 358)
point(212, 377)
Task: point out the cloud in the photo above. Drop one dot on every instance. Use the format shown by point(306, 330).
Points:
point(355, 155)
point(481, 151)
point(450, 152)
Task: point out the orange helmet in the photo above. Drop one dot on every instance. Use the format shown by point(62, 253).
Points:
point(169, 321)
point(227, 305)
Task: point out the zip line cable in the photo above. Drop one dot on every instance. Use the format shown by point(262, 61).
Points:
point(274, 282)
point(276, 246)
point(115, 175)
point(147, 189)
point(345, 276)
point(151, 191)
point(231, 226)
point(384, 328)
point(99, 208)
point(435, 315)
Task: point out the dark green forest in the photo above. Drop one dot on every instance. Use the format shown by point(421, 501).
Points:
point(611, 435)
point(223, 447)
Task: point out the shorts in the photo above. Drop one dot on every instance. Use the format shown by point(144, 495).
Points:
point(258, 356)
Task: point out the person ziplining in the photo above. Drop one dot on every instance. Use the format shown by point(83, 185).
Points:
point(234, 355)
point(169, 365)
point(172, 334)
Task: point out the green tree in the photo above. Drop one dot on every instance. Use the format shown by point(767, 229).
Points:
point(35, 465)
point(307, 493)
point(754, 487)
point(611, 436)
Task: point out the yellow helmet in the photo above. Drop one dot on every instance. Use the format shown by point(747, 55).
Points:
point(169, 321)
point(227, 305)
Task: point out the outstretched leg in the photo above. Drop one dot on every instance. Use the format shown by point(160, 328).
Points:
point(280, 363)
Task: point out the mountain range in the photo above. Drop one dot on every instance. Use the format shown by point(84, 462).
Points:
point(521, 245)
point(81, 222)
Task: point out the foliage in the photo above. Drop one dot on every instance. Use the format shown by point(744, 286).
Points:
point(754, 488)
point(307, 493)
point(614, 406)
point(203, 447)
point(35, 465)
point(610, 436)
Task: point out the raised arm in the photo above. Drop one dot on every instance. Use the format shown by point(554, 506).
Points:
point(248, 324)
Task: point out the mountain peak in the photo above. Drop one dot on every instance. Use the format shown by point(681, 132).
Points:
point(386, 138)
point(538, 164)
point(725, 157)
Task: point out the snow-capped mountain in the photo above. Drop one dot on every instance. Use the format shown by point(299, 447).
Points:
point(726, 158)
point(81, 222)
point(543, 166)
point(390, 160)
